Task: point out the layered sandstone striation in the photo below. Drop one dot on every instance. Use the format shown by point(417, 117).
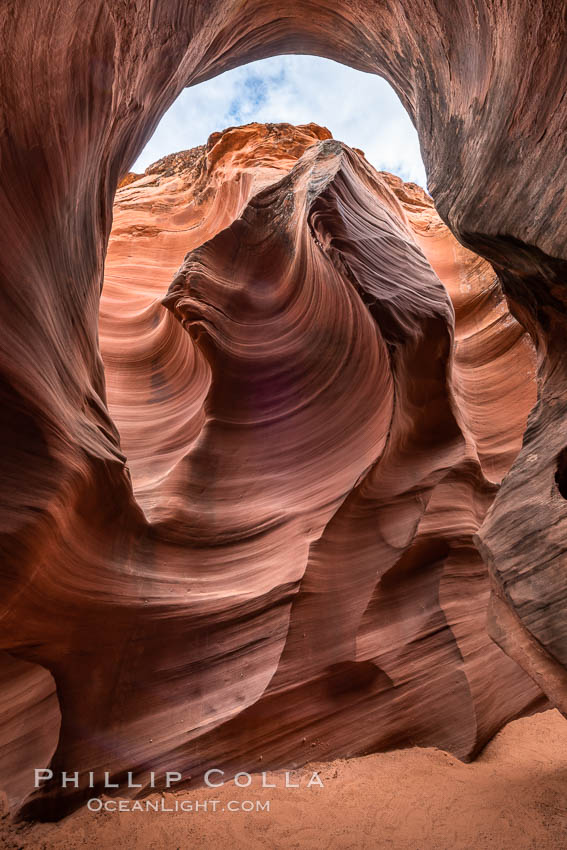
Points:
point(82, 86)
point(318, 392)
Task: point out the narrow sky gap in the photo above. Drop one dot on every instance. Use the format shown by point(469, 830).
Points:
point(359, 109)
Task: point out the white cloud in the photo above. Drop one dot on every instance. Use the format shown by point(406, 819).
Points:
point(359, 109)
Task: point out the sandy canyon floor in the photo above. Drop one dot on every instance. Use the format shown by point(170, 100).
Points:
point(513, 796)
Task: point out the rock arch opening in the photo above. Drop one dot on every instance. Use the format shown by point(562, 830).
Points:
point(360, 109)
point(182, 199)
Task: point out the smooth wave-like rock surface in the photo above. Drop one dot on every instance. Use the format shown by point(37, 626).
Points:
point(318, 392)
point(82, 86)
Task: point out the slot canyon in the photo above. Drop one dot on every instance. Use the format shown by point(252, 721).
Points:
point(283, 472)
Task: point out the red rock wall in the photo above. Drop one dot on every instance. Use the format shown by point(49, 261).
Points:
point(84, 570)
point(313, 435)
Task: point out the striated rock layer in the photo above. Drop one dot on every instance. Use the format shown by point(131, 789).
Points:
point(82, 86)
point(318, 393)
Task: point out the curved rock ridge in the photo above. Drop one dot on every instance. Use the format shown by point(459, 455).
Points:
point(178, 204)
point(313, 385)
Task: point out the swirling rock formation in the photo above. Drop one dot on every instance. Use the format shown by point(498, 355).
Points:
point(318, 392)
point(87, 573)
point(83, 86)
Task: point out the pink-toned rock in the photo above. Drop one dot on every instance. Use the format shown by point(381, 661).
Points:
point(314, 429)
point(83, 87)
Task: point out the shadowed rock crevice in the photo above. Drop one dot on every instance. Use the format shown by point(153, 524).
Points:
point(561, 473)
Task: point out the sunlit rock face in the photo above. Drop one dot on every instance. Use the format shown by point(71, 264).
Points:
point(318, 392)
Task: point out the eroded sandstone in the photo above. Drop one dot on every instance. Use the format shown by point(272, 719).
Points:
point(318, 392)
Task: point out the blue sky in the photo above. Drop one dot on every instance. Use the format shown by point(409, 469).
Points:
point(359, 109)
